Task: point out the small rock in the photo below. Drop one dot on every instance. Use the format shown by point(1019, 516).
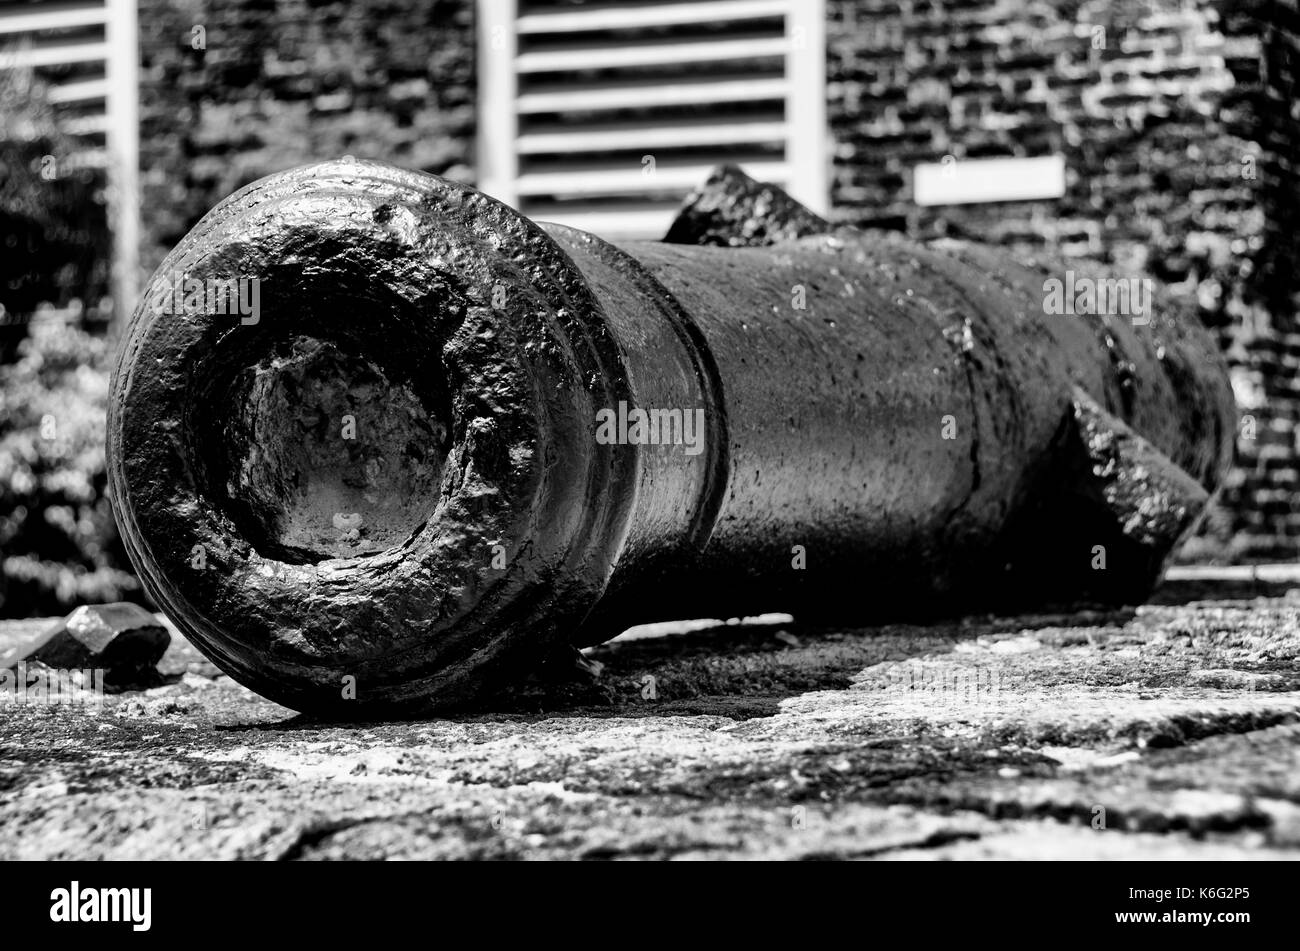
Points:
point(731, 209)
point(124, 640)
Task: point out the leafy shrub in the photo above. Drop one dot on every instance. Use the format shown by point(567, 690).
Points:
point(58, 544)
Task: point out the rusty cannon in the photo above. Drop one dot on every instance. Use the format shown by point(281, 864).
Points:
point(379, 442)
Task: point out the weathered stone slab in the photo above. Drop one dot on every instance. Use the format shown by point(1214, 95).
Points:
point(1165, 732)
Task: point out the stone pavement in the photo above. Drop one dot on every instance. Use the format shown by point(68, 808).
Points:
point(1169, 731)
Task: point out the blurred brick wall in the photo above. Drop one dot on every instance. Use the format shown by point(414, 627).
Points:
point(1154, 126)
point(286, 82)
point(1264, 339)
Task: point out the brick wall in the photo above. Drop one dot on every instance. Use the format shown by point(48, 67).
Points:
point(1264, 342)
point(1176, 119)
point(270, 84)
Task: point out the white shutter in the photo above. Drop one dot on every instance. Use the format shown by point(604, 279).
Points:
point(605, 115)
point(87, 50)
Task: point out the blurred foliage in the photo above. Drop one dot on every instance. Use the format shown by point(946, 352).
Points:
point(58, 544)
point(55, 244)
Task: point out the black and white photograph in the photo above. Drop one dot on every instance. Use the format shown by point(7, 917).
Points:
point(550, 430)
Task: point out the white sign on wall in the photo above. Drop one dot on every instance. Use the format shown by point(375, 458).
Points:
point(957, 181)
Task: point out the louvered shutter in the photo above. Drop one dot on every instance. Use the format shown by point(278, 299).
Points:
point(605, 115)
point(87, 50)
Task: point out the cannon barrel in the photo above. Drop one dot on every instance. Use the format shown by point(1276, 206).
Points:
point(378, 440)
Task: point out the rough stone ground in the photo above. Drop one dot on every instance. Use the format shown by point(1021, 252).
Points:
point(1178, 724)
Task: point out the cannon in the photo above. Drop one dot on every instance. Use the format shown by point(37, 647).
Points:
point(379, 443)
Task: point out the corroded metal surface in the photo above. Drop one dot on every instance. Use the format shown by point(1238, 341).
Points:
point(866, 427)
point(732, 210)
